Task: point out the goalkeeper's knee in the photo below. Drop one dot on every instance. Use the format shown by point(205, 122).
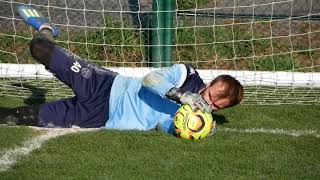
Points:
point(41, 48)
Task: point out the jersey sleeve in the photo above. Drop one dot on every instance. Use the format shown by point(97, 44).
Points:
point(193, 82)
point(161, 81)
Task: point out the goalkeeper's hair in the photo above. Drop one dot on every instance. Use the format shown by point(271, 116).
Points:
point(233, 90)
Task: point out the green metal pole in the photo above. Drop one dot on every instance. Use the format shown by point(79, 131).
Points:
point(168, 32)
point(157, 33)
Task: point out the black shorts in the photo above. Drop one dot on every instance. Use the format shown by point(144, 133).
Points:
point(91, 85)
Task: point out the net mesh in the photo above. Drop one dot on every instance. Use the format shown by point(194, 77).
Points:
point(271, 46)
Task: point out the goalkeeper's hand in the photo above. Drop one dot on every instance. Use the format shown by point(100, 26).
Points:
point(194, 100)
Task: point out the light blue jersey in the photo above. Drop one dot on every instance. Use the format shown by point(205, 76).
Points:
point(140, 103)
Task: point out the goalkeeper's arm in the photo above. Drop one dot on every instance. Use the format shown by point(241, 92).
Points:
point(167, 83)
point(161, 81)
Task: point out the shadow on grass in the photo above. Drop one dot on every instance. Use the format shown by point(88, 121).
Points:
point(220, 119)
point(37, 94)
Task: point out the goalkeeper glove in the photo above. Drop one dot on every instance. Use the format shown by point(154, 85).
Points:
point(194, 100)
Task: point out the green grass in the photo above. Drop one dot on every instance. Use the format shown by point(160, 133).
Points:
point(292, 117)
point(11, 137)
point(109, 154)
point(152, 155)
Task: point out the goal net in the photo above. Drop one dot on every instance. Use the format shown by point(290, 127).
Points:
point(271, 46)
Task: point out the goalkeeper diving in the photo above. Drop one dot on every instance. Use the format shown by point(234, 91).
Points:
point(106, 99)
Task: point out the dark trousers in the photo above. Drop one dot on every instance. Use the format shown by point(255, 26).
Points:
point(91, 85)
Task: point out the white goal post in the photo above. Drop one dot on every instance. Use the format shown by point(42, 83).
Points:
point(271, 46)
point(246, 78)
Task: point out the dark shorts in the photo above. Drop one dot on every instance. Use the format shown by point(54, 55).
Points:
point(91, 85)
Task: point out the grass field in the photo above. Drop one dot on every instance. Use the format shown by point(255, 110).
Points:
point(252, 142)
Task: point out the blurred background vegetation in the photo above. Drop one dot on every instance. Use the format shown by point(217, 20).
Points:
point(210, 38)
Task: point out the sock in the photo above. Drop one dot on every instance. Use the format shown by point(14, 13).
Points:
point(48, 33)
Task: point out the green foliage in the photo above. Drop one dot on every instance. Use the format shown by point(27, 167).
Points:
point(6, 57)
point(118, 43)
point(275, 63)
point(190, 4)
point(226, 45)
point(18, 45)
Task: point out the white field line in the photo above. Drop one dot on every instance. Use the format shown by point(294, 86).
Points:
point(9, 158)
point(295, 133)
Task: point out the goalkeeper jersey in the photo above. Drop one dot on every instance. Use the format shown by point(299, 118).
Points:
point(140, 103)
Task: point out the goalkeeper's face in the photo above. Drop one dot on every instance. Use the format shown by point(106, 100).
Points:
point(212, 95)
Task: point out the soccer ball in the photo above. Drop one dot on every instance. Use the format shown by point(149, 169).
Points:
point(193, 125)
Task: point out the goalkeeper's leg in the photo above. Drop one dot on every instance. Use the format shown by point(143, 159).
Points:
point(63, 113)
point(83, 77)
point(90, 83)
point(54, 114)
point(42, 47)
point(75, 72)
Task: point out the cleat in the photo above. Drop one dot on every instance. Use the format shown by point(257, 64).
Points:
point(6, 116)
point(36, 20)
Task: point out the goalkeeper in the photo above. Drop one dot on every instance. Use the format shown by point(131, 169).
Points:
point(104, 98)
